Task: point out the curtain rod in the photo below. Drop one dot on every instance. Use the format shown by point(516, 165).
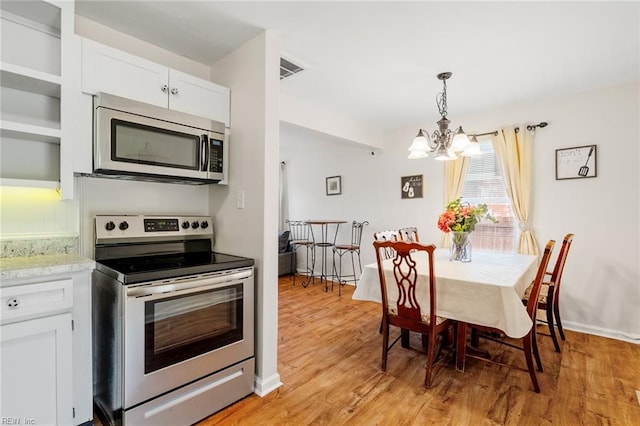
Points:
point(495, 132)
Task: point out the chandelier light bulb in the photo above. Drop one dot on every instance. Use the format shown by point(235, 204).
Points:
point(473, 150)
point(442, 154)
point(460, 140)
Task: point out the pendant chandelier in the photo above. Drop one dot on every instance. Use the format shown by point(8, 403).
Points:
point(444, 142)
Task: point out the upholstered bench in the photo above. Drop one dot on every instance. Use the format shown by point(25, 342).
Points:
point(286, 257)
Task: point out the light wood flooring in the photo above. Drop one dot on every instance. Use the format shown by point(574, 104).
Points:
point(329, 361)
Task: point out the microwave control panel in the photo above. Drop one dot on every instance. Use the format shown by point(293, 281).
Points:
point(216, 156)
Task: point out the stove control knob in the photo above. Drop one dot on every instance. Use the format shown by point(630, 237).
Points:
point(204, 225)
point(123, 226)
point(195, 225)
point(185, 225)
point(110, 226)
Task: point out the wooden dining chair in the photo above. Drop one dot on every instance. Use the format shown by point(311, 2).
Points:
point(406, 312)
point(549, 299)
point(409, 233)
point(529, 343)
point(388, 235)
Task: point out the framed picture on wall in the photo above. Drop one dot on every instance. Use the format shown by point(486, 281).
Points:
point(411, 186)
point(576, 162)
point(334, 185)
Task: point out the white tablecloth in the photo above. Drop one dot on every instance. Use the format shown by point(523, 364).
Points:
point(487, 291)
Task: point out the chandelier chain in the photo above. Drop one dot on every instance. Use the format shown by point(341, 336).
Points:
point(441, 100)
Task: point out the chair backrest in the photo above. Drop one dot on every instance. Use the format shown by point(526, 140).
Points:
point(409, 233)
point(300, 231)
point(388, 235)
point(356, 232)
point(406, 277)
point(556, 275)
point(532, 303)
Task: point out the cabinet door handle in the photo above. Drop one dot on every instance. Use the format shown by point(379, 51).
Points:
point(164, 88)
point(174, 91)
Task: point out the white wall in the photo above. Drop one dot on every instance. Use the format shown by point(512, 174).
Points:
point(113, 196)
point(303, 114)
point(251, 72)
point(601, 284)
point(37, 212)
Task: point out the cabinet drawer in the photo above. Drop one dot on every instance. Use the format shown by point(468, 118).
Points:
point(28, 301)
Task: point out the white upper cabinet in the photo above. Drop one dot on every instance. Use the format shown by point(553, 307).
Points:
point(198, 97)
point(109, 70)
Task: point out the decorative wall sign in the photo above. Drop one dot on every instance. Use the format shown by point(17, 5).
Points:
point(577, 162)
point(411, 186)
point(334, 185)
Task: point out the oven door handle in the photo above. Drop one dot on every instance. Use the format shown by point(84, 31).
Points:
point(189, 285)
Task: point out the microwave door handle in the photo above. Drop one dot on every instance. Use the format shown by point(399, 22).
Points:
point(204, 152)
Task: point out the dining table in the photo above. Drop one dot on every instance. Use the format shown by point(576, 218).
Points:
point(486, 291)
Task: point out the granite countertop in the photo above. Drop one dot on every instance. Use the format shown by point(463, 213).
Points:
point(41, 256)
point(33, 266)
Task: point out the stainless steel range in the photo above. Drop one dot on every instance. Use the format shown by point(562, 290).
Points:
point(173, 325)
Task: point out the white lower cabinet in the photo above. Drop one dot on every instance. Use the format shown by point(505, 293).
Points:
point(45, 350)
point(36, 384)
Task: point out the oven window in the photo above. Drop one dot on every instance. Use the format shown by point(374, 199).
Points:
point(182, 327)
point(137, 143)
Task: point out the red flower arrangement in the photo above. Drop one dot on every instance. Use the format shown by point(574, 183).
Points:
point(462, 217)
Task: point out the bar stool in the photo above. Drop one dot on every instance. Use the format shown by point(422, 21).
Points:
point(353, 248)
point(302, 237)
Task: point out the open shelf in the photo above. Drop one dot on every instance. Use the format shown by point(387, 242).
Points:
point(30, 183)
point(28, 132)
point(29, 80)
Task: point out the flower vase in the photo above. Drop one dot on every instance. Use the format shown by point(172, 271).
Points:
point(460, 250)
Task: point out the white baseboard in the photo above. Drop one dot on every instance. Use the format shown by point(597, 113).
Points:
point(262, 387)
point(603, 332)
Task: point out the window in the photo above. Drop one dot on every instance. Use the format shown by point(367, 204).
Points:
point(484, 183)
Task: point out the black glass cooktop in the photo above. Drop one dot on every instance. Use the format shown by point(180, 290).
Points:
point(150, 268)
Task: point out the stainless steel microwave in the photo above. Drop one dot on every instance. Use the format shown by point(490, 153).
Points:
point(140, 141)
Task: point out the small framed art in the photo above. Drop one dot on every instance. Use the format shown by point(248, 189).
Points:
point(411, 186)
point(334, 185)
point(576, 162)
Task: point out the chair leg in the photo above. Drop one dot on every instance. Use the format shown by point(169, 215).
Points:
point(552, 328)
point(405, 338)
point(353, 268)
point(295, 264)
point(430, 357)
point(384, 325)
point(556, 311)
point(536, 352)
point(310, 272)
point(528, 352)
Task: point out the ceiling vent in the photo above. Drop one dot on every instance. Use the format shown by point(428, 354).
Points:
point(288, 69)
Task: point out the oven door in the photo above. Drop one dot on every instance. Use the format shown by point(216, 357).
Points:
point(181, 330)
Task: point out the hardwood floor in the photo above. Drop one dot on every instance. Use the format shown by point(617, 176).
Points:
point(329, 361)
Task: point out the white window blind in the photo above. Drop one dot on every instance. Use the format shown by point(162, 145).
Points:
point(484, 183)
